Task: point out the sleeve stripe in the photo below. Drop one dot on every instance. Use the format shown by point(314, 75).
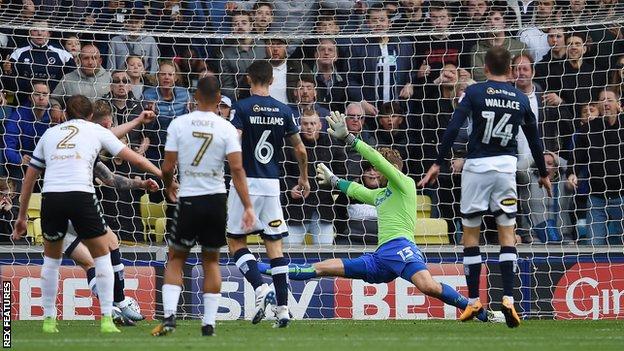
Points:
point(38, 159)
point(33, 165)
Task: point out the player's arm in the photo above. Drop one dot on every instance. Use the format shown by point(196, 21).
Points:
point(143, 118)
point(168, 170)
point(239, 178)
point(457, 121)
point(537, 151)
point(352, 189)
point(116, 181)
point(116, 148)
point(301, 155)
point(338, 129)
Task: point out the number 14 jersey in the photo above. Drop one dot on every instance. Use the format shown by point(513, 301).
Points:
point(264, 123)
point(496, 111)
point(202, 141)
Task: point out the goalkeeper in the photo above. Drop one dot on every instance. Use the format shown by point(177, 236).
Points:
point(397, 255)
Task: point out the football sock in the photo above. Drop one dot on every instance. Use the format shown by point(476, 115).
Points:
point(279, 271)
point(170, 298)
point(508, 262)
point(211, 305)
point(472, 270)
point(49, 285)
point(118, 269)
point(91, 280)
point(104, 280)
point(247, 264)
point(295, 272)
point(451, 297)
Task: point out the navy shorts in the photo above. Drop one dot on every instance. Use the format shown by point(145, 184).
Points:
point(396, 258)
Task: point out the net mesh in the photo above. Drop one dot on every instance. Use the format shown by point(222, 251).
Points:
point(396, 69)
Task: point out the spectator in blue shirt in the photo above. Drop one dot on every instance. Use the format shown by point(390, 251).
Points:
point(24, 127)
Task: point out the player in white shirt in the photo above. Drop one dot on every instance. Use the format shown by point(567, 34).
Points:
point(198, 143)
point(68, 153)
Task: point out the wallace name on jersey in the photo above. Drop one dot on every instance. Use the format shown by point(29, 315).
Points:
point(502, 103)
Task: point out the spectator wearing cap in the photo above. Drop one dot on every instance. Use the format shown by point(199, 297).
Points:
point(285, 72)
point(135, 44)
point(225, 107)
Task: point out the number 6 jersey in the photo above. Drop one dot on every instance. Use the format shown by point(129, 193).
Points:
point(264, 123)
point(68, 153)
point(202, 141)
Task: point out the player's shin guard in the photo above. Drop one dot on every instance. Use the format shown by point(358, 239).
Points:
point(507, 262)
point(451, 297)
point(472, 270)
point(118, 269)
point(170, 298)
point(295, 271)
point(49, 285)
point(279, 271)
point(211, 305)
point(247, 264)
point(91, 281)
point(104, 280)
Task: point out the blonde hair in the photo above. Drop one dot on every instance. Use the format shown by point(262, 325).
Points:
point(392, 156)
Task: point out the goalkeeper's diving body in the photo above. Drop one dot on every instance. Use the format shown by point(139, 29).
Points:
point(397, 255)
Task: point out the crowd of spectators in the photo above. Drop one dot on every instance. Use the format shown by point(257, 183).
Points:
point(397, 76)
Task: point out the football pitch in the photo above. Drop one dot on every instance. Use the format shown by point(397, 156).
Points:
point(344, 335)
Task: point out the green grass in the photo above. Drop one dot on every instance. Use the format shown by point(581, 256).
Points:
point(343, 335)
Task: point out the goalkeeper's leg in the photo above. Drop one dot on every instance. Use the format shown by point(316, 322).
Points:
point(472, 266)
point(428, 286)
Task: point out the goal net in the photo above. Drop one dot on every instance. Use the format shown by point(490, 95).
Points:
point(397, 70)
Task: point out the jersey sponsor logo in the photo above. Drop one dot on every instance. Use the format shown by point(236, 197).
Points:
point(514, 105)
point(266, 120)
point(492, 91)
point(75, 156)
point(508, 202)
point(276, 223)
point(382, 197)
point(210, 174)
point(258, 108)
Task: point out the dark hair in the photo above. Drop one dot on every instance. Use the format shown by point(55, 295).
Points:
point(209, 89)
point(498, 60)
point(581, 35)
point(391, 108)
point(38, 82)
point(438, 6)
point(101, 109)
point(527, 56)
point(240, 13)
point(501, 9)
point(259, 4)
point(260, 72)
point(307, 78)
point(79, 107)
point(377, 7)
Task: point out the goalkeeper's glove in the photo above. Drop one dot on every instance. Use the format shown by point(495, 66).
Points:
point(338, 127)
point(325, 176)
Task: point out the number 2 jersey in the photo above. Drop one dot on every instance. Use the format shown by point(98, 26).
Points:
point(264, 123)
point(496, 111)
point(68, 153)
point(202, 141)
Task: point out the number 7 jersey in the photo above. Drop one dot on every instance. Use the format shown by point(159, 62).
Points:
point(264, 123)
point(202, 141)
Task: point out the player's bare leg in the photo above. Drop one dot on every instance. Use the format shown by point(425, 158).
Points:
point(104, 278)
point(248, 265)
point(279, 273)
point(472, 268)
point(212, 290)
point(52, 257)
point(507, 262)
point(171, 290)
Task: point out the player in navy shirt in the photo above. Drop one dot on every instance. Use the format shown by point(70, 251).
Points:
point(263, 123)
point(496, 110)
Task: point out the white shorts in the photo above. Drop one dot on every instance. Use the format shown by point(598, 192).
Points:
point(489, 192)
point(269, 216)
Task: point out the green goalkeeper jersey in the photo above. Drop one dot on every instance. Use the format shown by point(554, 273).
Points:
point(395, 204)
